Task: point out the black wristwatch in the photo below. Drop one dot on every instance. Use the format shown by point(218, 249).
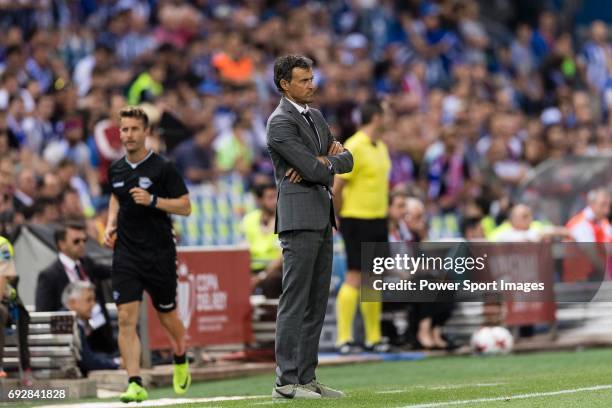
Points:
point(153, 203)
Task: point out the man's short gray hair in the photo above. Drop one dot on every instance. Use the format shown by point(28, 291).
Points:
point(74, 290)
point(593, 194)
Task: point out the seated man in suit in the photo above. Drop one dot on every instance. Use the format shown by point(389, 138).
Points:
point(80, 297)
point(71, 266)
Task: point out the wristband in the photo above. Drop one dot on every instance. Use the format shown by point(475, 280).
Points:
point(153, 203)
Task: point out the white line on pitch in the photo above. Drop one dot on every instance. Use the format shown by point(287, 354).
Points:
point(439, 387)
point(162, 402)
point(511, 397)
point(455, 386)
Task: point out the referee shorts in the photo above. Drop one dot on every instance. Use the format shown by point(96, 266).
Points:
point(156, 274)
point(357, 230)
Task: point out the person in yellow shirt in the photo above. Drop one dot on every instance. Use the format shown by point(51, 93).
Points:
point(264, 246)
point(10, 297)
point(361, 197)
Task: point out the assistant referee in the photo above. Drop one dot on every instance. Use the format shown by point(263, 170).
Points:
point(362, 199)
point(146, 188)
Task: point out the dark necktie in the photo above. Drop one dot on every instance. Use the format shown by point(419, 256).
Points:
point(312, 126)
point(80, 272)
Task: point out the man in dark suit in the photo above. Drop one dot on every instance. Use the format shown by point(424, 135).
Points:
point(305, 157)
point(72, 266)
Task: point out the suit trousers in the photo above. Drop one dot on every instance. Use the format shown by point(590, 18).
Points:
point(307, 268)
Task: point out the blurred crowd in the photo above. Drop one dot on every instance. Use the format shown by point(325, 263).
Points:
point(474, 98)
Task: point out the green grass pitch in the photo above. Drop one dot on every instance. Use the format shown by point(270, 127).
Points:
point(549, 379)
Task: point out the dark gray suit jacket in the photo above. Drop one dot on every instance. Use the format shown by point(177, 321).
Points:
point(292, 143)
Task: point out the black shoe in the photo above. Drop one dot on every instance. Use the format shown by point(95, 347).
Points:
point(345, 349)
point(379, 347)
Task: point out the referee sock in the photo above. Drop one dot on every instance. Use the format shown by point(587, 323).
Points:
point(136, 379)
point(346, 306)
point(371, 312)
point(180, 359)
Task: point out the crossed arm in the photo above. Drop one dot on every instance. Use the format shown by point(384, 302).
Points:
point(304, 165)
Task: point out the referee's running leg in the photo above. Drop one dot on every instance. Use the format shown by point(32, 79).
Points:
point(129, 282)
point(129, 346)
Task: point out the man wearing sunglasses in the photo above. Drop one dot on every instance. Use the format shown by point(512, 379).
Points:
point(70, 266)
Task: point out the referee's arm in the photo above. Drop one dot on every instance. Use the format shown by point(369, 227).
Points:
point(111, 222)
point(178, 206)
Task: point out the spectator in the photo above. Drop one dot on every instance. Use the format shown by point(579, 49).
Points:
point(108, 144)
point(51, 186)
point(70, 205)
point(148, 85)
point(471, 228)
point(523, 59)
point(233, 152)
point(425, 319)
point(25, 192)
point(591, 224)
point(45, 211)
point(235, 65)
point(543, 38)
point(14, 119)
point(398, 230)
point(448, 172)
point(596, 57)
point(416, 220)
point(522, 230)
point(72, 146)
point(102, 58)
point(38, 128)
point(194, 157)
point(80, 297)
point(266, 257)
point(39, 68)
point(402, 166)
point(72, 265)
point(69, 177)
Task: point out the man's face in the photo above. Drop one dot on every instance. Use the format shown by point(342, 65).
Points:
point(133, 134)
point(475, 232)
point(51, 186)
point(46, 107)
point(268, 201)
point(521, 218)
point(71, 205)
point(83, 304)
point(415, 218)
point(301, 86)
point(74, 243)
point(27, 182)
point(397, 209)
point(601, 206)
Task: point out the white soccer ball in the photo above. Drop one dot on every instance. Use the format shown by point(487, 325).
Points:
point(492, 340)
